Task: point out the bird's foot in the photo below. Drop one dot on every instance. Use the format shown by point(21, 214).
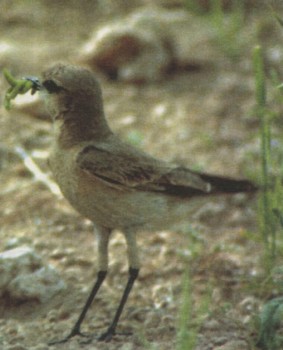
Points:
point(74, 332)
point(108, 335)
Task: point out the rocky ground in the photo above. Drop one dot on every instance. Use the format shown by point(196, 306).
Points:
point(196, 110)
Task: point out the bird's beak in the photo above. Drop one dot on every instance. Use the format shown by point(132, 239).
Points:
point(36, 85)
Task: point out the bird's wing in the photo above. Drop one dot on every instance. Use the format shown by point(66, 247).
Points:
point(131, 168)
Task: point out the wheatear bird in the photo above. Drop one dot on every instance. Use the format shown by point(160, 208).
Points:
point(112, 183)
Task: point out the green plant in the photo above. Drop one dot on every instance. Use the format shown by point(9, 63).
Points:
point(186, 332)
point(226, 25)
point(270, 213)
point(270, 320)
point(194, 6)
point(190, 316)
point(267, 219)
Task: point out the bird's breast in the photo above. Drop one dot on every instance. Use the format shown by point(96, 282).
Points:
point(97, 200)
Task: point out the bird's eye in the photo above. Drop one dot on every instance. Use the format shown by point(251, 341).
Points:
point(51, 86)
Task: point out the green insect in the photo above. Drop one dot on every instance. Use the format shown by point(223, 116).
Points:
point(19, 87)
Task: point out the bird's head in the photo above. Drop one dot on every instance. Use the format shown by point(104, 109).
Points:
point(71, 90)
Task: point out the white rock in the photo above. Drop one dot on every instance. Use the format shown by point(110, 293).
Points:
point(15, 262)
point(40, 285)
point(147, 43)
point(23, 276)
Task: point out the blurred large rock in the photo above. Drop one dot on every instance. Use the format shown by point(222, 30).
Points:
point(24, 276)
point(146, 44)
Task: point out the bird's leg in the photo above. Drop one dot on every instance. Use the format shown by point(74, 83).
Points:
point(107, 336)
point(133, 258)
point(76, 329)
point(103, 264)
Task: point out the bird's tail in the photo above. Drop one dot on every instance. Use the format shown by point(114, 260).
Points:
point(215, 185)
point(221, 184)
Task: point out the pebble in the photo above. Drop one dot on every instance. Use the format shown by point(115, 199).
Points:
point(24, 276)
point(248, 305)
point(52, 315)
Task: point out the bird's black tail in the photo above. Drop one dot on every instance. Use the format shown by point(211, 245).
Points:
point(217, 184)
point(221, 184)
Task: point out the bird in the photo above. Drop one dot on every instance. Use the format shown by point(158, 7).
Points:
point(113, 183)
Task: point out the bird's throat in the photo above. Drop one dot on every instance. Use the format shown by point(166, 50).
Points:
point(70, 131)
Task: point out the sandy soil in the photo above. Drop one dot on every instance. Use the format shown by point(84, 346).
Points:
point(202, 118)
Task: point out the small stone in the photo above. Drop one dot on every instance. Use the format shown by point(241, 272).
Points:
point(14, 242)
point(14, 262)
point(40, 285)
point(249, 305)
point(52, 316)
point(25, 277)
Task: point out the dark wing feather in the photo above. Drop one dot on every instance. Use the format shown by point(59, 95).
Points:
point(216, 185)
point(134, 169)
point(126, 167)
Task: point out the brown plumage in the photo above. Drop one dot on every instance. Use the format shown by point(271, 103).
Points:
point(112, 183)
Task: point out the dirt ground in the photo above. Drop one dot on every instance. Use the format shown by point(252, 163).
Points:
point(201, 118)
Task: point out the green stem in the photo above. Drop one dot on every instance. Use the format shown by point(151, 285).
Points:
point(267, 216)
